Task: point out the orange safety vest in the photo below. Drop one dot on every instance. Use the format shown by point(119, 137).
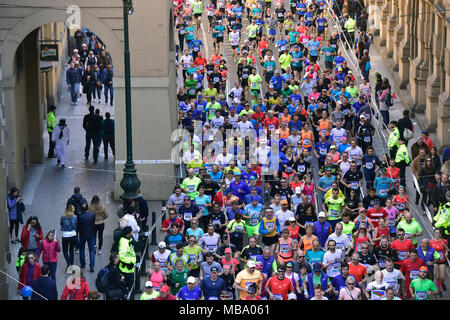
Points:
point(306, 139)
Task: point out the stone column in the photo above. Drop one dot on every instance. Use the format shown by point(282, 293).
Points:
point(419, 69)
point(434, 79)
point(384, 27)
point(373, 11)
point(402, 49)
point(443, 121)
point(391, 23)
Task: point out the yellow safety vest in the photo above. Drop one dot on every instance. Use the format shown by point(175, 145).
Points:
point(402, 154)
point(127, 256)
point(393, 138)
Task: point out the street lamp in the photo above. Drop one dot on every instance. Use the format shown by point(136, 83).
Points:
point(130, 182)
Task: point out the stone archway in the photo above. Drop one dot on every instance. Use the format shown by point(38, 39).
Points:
point(15, 139)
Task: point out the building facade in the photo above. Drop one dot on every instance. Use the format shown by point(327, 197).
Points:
point(412, 37)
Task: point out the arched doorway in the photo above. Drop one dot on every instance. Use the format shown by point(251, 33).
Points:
point(23, 109)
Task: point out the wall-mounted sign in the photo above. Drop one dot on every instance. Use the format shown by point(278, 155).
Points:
point(49, 52)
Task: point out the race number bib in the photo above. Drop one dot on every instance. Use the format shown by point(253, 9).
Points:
point(334, 213)
point(188, 216)
point(284, 248)
point(369, 165)
point(301, 168)
point(402, 255)
point(270, 226)
point(414, 274)
point(421, 295)
point(354, 185)
point(367, 139)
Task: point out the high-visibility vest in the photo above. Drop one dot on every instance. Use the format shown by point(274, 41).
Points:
point(51, 121)
point(442, 218)
point(306, 139)
point(126, 255)
point(393, 138)
point(402, 154)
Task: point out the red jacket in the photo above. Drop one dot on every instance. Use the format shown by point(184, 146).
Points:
point(25, 236)
point(24, 271)
point(50, 251)
point(80, 293)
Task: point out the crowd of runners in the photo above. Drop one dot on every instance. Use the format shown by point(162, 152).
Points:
point(286, 196)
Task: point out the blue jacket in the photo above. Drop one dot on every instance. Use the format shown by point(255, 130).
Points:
point(73, 76)
point(310, 284)
point(277, 82)
point(68, 224)
point(267, 264)
point(105, 75)
point(321, 231)
point(12, 208)
point(427, 257)
point(46, 287)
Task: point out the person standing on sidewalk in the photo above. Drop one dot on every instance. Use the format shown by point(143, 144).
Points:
point(73, 81)
point(49, 248)
point(61, 137)
point(107, 134)
point(107, 80)
point(51, 123)
point(127, 257)
point(15, 208)
point(92, 128)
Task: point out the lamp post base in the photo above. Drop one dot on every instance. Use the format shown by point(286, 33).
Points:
point(130, 182)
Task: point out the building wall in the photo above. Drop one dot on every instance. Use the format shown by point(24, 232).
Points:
point(413, 38)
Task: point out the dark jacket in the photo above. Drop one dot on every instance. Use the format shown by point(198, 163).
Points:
point(403, 123)
point(73, 76)
point(86, 224)
point(77, 201)
point(46, 287)
point(107, 126)
point(107, 76)
point(92, 123)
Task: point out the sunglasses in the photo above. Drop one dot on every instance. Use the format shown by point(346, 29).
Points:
point(351, 283)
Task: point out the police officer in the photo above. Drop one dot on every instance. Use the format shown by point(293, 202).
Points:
point(442, 218)
point(127, 257)
point(393, 139)
point(402, 159)
point(51, 123)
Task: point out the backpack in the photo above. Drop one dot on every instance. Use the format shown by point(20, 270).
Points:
point(368, 67)
point(102, 280)
point(407, 134)
point(389, 101)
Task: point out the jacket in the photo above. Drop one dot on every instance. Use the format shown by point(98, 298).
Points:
point(77, 201)
point(76, 293)
point(393, 138)
point(310, 283)
point(51, 121)
point(86, 225)
point(127, 255)
point(12, 208)
point(72, 76)
point(442, 218)
point(107, 128)
point(107, 78)
point(25, 237)
point(92, 123)
point(50, 251)
point(100, 215)
point(46, 287)
point(24, 271)
point(68, 224)
point(402, 155)
point(416, 166)
point(321, 231)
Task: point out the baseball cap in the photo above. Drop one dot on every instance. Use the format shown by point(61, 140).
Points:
point(289, 264)
point(322, 214)
point(254, 198)
point(148, 284)
point(298, 190)
point(164, 289)
point(425, 131)
point(317, 267)
point(333, 147)
point(251, 264)
point(228, 250)
point(259, 265)
point(277, 71)
point(362, 116)
point(162, 244)
point(291, 219)
point(284, 201)
point(214, 269)
point(191, 279)
point(252, 178)
point(237, 173)
point(339, 69)
point(423, 269)
point(292, 296)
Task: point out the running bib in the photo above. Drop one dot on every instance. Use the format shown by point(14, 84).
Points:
point(245, 76)
point(213, 298)
point(254, 85)
point(216, 79)
point(322, 151)
point(181, 31)
point(289, 169)
point(211, 247)
point(277, 297)
point(271, 127)
point(369, 165)
point(301, 168)
point(238, 228)
point(336, 267)
point(284, 248)
point(377, 294)
point(196, 49)
point(270, 225)
point(191, 188)
point(216, 221)
point(188, 216)
point(414, 274)
point(354, 185)
point(334, 213)
point(367, 139)
point(391, 223)
point(254, 221)
point(192, 257)
point(309, 222)
point(282, 48)
point(269, 68)
point(383, 192)
point(402, 255)
point(324, 132)
point(200, 67)
point(421, 295)
point(306, 142)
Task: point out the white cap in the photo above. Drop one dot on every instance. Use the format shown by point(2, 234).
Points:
point(251, 264)
point(162, 244)
point(322, 214)
point(148, 284)
point(291, 219)
point(292, 296)
point(298, 190)
point(190, 280)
